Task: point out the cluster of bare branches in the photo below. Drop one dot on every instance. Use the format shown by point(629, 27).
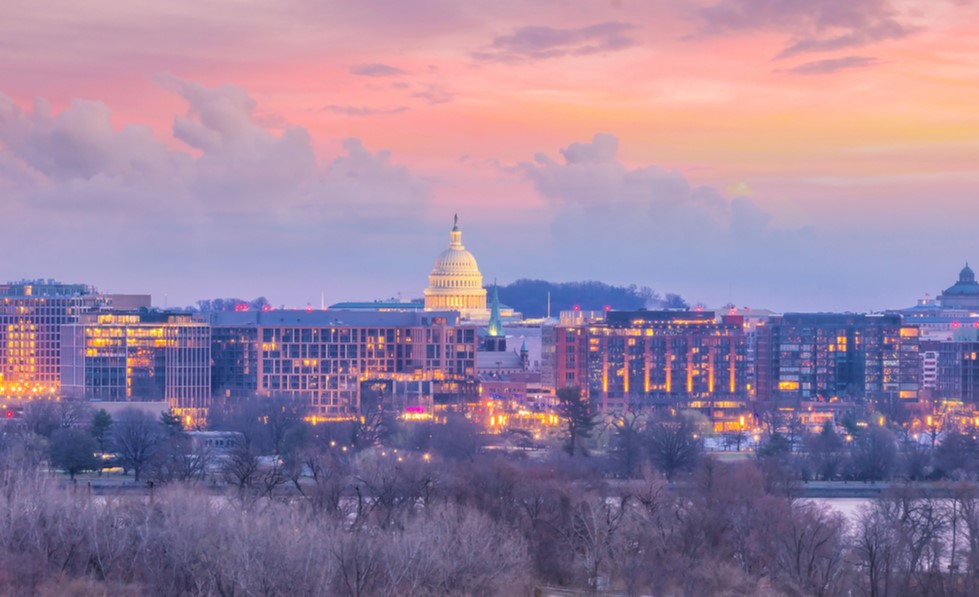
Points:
point(294, 509)
point(59, 539)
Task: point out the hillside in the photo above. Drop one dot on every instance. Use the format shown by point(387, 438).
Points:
point(530, 297)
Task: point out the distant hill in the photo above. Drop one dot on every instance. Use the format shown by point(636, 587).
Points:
point(530, 297)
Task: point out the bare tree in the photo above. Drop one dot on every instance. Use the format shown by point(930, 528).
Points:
point(136, 438)
point(179, 458)
point(242, 466)
point(73, 451)
point(627, 442)
point(674, 445)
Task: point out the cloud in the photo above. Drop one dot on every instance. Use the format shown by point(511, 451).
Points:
point(80, 142)
point(435, 94)
point(375, 70)
point(241, 199)
point(832, 65)
point(605, 212)
point(366, 188)
point(827, 25)
point(539, 42)
point(364, 110)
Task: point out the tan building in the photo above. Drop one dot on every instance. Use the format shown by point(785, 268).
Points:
point(455, 283)
point(31, 315)
point(139, 357)
point(329, 358)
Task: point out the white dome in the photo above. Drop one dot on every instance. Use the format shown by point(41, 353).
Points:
point(455, 260)
point(455, 282)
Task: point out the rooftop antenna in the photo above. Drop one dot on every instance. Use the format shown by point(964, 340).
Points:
point(322, 300)
point(548, 304)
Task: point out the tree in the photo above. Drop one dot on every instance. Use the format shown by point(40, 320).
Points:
point(41, 417)
point(171, 422)
point(44, 417)
point(579, 420)
point(458, 438)
point(825, 452)
point(674, 445)
point(264, 420)
point(241, 467)
point(180, 458)
point(73, 451)
point(100, 428)
point(136, 438)
point(874, 456)
point(956, 455)
point(627, 442)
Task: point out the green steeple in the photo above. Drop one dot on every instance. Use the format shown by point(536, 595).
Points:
point(495, 322)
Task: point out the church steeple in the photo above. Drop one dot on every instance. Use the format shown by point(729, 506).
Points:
point(495, 321)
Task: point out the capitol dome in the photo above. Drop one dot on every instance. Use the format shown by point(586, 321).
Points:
point(455, 261)
point(455, 282)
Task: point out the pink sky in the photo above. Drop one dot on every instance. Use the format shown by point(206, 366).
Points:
point(778, 153)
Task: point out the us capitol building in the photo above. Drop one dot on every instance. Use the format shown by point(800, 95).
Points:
point(456, 283)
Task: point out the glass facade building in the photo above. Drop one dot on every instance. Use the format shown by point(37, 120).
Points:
point(822, 356)
point(326, 357)
point(139, 358)
point(31, 316)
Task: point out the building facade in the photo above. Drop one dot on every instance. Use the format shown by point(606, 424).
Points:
point(658, 358)
point(827, 356)
point(329, 358)
point(147, 357)
point(31, 316)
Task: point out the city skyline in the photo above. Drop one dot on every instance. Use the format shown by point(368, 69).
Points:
point(788, 156)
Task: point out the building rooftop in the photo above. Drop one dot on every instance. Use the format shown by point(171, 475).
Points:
point(418, 305)
point(330, 318)
point(45, 288)
point(966, 285)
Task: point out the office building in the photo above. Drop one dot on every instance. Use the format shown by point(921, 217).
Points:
point(330, 358)
point(31, 315)
point(641, 358)
point(147, 357)
point(829, 356)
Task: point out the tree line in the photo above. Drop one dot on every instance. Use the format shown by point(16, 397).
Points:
point(377, 507)
point(530, 297)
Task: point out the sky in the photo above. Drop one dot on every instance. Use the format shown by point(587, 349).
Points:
point(782, 154)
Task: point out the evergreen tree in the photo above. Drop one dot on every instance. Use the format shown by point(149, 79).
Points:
point(579, 418)
point(99, 428)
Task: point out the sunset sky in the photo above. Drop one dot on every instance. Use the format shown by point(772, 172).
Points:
point(786, 154)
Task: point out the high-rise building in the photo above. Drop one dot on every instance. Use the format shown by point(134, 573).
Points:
point(668, 358)
point(31, 315)
point(822, 356)
point(329, 357)
point(147, 357)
